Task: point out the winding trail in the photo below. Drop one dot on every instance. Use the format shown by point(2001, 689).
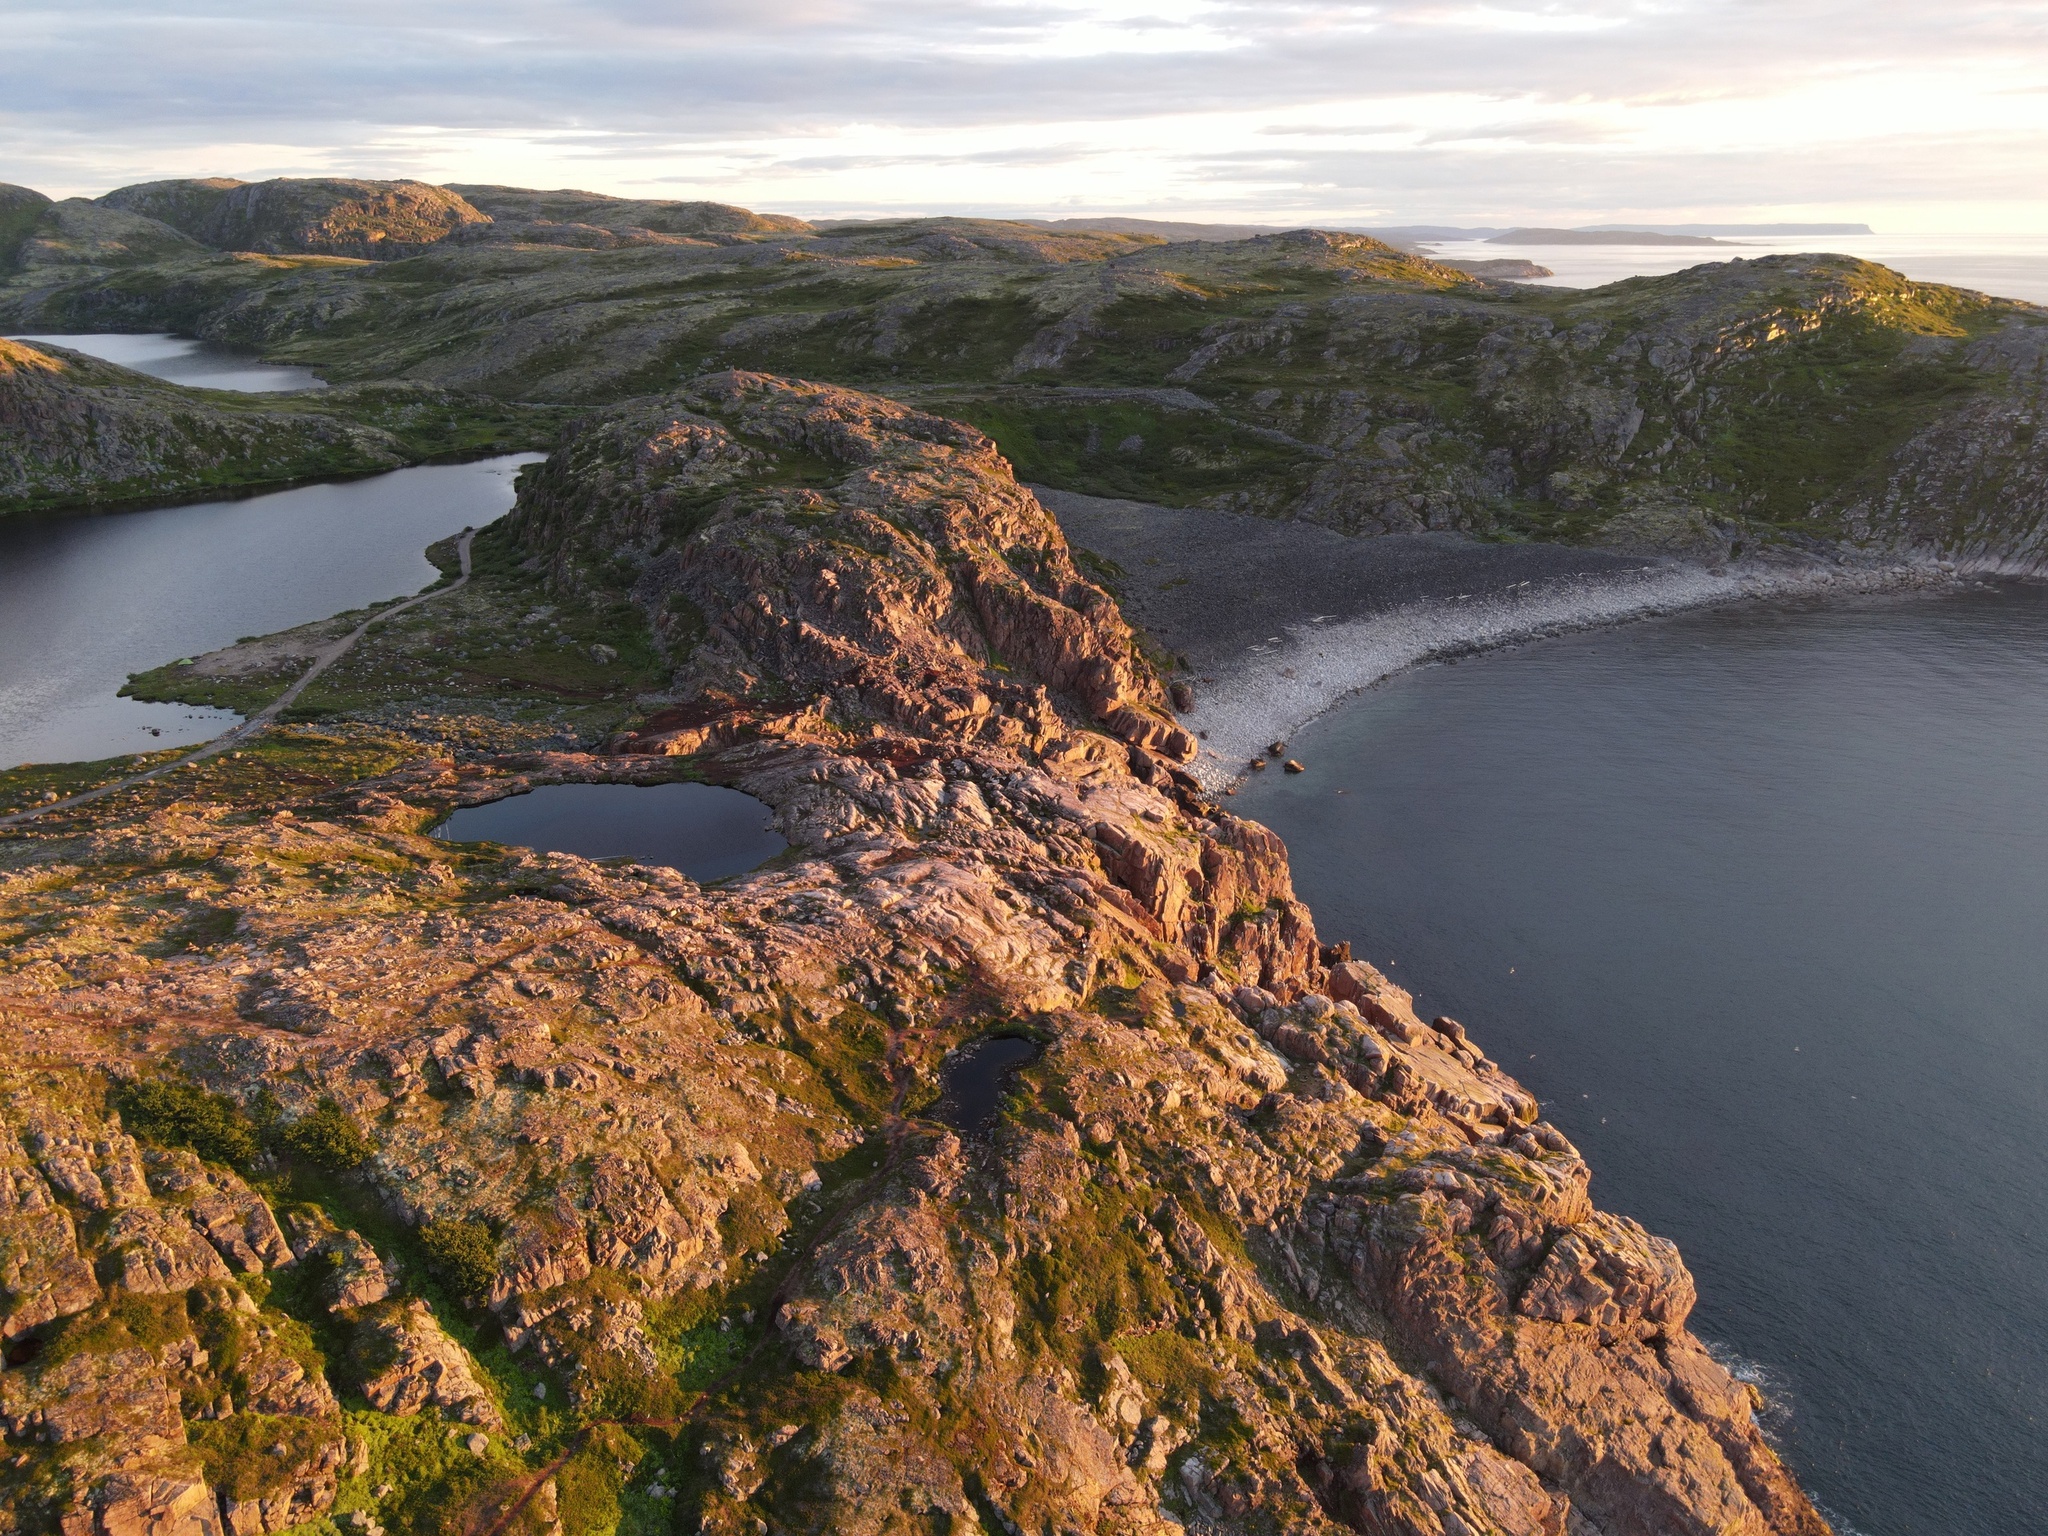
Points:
point(323, 658)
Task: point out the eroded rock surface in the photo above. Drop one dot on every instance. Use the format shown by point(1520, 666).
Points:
point(1250, 1246)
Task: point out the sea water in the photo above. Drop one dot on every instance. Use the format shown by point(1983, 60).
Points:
point(1756, 901)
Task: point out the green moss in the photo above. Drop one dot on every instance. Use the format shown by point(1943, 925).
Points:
point(240, 1452)
point(123, 1321)
point(589, 1486)
point(1097, 1281)
point(436, 1482)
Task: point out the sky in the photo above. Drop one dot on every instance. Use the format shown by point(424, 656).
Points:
point(1907, 115)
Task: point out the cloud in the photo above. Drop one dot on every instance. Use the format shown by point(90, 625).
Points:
point(1222, 107)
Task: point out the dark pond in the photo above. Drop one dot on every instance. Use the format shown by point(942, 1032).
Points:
point(976, 1076)
point(706, 832)
point(1755, 901)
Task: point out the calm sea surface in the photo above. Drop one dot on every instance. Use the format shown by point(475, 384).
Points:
point(2009, 266)
point(1757, 902)
point(85, 601)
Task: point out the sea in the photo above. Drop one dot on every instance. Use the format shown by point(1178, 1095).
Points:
point(2009, 266)
point(1756, 900)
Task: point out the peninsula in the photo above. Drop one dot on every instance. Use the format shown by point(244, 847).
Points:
point(357, 1180)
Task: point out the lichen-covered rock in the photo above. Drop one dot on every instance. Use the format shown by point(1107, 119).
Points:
point(220, 1206)
point(152, 1250)
point(119, 1394)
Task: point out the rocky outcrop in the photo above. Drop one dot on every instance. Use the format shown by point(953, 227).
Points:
point(408, 1362)
point(1246, 1244)
point(136, 1362)
point(327, 216)
point(943, 597)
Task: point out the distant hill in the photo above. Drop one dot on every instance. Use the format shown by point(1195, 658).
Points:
point(326, 216)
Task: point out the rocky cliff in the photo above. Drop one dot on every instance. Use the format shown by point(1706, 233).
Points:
point(448, 1188)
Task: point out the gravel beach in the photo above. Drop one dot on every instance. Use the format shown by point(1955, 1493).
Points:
point(1277, 621)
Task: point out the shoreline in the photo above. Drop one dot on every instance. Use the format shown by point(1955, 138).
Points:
point(1416, 599)
point(1237, 716)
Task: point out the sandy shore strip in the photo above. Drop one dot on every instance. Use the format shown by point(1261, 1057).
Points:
point(1278, 621)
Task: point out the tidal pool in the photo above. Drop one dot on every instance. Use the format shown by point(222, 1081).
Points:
point(703, 830)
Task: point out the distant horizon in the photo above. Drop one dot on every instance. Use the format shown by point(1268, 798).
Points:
point(1338, 112)
point(1730, 227)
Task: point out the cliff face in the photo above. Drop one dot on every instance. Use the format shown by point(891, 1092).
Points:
point(647, 1182)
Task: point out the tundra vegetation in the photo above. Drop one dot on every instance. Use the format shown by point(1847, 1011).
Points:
point(1803, 400)
point(355, 1181)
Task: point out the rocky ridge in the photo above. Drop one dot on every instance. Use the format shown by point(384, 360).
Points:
point(645, 1171)
point(1811, 402)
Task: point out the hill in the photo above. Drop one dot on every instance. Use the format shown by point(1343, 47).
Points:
point(76, 431)
point(1308, 374)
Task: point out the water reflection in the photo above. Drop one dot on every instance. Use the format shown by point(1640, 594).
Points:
point(197, 364)
point(703, 830)
point(85, 601)
point(976, 1076)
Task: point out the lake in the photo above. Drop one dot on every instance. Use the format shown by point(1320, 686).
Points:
point(1755, 900)
point(197, 364)
point(87, 600)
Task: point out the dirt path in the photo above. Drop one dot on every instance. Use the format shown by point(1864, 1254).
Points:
point(323, 658)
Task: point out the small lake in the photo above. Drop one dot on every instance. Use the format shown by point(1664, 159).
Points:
point(1755, 901)
point(197, 364)
point(85, 600)
point(975, 1077)
point(706, 831)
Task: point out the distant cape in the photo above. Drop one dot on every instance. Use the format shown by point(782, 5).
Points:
point(1598, 237)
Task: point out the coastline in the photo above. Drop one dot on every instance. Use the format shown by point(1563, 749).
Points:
point(1280, 622)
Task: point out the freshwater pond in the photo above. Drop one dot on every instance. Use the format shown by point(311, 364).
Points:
point(1755, 901)
point(196, 364)
point(706, 831)
point(86, 600)
point(975, 1077)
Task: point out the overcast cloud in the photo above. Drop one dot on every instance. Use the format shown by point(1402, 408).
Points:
point(1909, 115)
